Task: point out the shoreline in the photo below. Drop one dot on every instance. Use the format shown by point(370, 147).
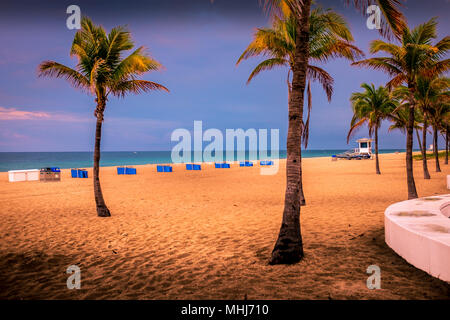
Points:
point(182, 163)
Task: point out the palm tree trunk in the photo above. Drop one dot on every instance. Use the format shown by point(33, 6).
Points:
point(435, 148)
point(289, 246)
point(376, 151)
point(446, 144)
point(412, 192)
point(426, 173)
point(102, 209)
point(419, 141)
point(302, 196)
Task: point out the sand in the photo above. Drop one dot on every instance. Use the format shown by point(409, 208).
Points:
point(209, 234)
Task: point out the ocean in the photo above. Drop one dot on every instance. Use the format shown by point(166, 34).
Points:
point(65, 160)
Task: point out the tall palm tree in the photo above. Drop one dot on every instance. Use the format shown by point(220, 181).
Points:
point(330, 37)
point(289, 245)
point(371, 107)
point(102, 70)
point(421, 115)
point(439, 110)
point(430, 96)
point(404, 63)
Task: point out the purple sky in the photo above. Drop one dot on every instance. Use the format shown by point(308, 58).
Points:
point(198, 42)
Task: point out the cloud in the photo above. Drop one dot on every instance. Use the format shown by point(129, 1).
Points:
point(12, 114)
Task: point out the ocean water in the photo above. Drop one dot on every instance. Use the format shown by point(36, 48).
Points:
point(65, 160)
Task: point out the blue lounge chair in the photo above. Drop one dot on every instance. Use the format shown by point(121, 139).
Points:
point(160, 168)
point(120, 170)
point(82, 173)
point(74, 173)
point(130, 170)
point(222, 165)
point(192, 166)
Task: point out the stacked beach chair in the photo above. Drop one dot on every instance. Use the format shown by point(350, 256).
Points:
point(164, 168)
point(79, 173)
point(193, 166)
point(222, 165)
point(126, 170)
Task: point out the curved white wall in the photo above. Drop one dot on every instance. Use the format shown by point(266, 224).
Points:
point(419, 231)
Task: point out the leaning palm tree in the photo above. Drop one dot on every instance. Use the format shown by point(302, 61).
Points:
point(404, 63)
point(330, 37)
point(371, 107)
point(102, 70)
point(289, 245)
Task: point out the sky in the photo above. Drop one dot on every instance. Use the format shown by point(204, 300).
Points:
point(198, 42)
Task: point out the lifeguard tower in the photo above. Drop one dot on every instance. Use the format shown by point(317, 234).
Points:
point(364, 151)
point(364, 146)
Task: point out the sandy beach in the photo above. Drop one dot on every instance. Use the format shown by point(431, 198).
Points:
point(209, 234)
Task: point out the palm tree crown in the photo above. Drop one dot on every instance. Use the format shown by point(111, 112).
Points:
point(370, 107)
point(101, 67)
point(330, 37)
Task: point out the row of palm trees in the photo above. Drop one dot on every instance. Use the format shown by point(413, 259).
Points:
point(374, 105)
point(292, 41)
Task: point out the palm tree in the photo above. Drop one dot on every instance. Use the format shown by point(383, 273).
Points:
point(289, 245)
point(430, 97)
point(439, 109)
point(330, 37)
point(404, 63)
point(371, 107)
point(421, 98)
point(399, 119)
point(102, 70)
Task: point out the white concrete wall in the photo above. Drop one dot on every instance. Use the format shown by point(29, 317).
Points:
point(419, 231)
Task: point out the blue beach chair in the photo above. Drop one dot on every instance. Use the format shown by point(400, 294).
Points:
point(130, 170)
point(222, 165)
point(82, 173)
point(120, 170)
point(161, 168)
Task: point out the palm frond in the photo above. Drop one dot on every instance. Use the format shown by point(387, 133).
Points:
point(57, 70)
